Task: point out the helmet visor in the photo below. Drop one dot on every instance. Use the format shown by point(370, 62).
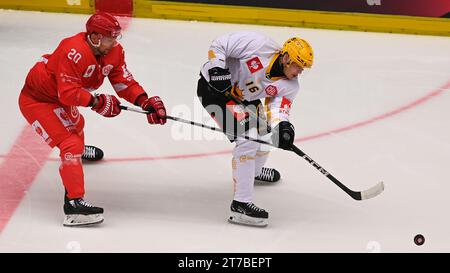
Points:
point(109, 41)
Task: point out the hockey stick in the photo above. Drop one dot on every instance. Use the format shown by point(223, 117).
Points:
point(357, 195)
point(197, 124)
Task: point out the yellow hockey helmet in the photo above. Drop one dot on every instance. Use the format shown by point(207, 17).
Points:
point(299, 51)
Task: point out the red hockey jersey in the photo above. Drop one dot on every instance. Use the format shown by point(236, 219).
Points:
point(72, 71)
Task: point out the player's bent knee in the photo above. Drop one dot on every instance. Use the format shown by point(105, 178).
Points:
point(71, 147)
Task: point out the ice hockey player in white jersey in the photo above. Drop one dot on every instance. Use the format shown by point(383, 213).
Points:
point(250, 66)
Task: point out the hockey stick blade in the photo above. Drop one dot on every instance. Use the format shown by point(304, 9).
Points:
point(372, 192)
point(356, 195)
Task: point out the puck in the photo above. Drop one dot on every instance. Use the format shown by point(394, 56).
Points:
point(419, 239)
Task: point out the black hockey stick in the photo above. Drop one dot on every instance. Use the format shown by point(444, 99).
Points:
point(357, 195)
point(197, 124)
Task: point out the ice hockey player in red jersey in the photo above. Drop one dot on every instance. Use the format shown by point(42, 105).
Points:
point(62, 81)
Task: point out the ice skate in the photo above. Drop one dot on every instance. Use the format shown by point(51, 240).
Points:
point(268, 176)
point(248, 214)
point(92, 153)
point(80, 213)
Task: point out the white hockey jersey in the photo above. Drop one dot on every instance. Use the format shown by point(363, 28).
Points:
point(250, 56)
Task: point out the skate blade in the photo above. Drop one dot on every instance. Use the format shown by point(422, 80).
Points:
point(79, 220)
point(242, 219)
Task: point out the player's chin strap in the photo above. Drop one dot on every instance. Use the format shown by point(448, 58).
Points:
point(92, 44)
point(357, 195)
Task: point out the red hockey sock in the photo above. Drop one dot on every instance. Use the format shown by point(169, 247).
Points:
point(71, 169)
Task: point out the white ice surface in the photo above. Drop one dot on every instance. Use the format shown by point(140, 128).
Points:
point(181, 205)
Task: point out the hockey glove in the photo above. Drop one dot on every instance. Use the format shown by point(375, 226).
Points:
point(106, 105)
point(220, 79)
point(157, 110)
point(283, 135)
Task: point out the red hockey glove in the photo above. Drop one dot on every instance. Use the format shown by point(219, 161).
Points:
point(106, 105)
point(155, 106)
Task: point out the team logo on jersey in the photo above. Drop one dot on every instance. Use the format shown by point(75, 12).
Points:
point(107, 69)
point(254, 65)
point(271, 90)
point(89, 71)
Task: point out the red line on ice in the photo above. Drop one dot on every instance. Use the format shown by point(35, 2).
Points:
point(397, 111)
point(20, 167)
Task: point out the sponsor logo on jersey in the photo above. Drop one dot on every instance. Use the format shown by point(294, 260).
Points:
point(67, 78)
point(285, 107)
point(41, 131)
point(126, 74)
point(71, 157)
point(107, 69)
point(254, 65)
point(68, 156)
point(271, 90)
point(238, 111)
point(64, 118)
